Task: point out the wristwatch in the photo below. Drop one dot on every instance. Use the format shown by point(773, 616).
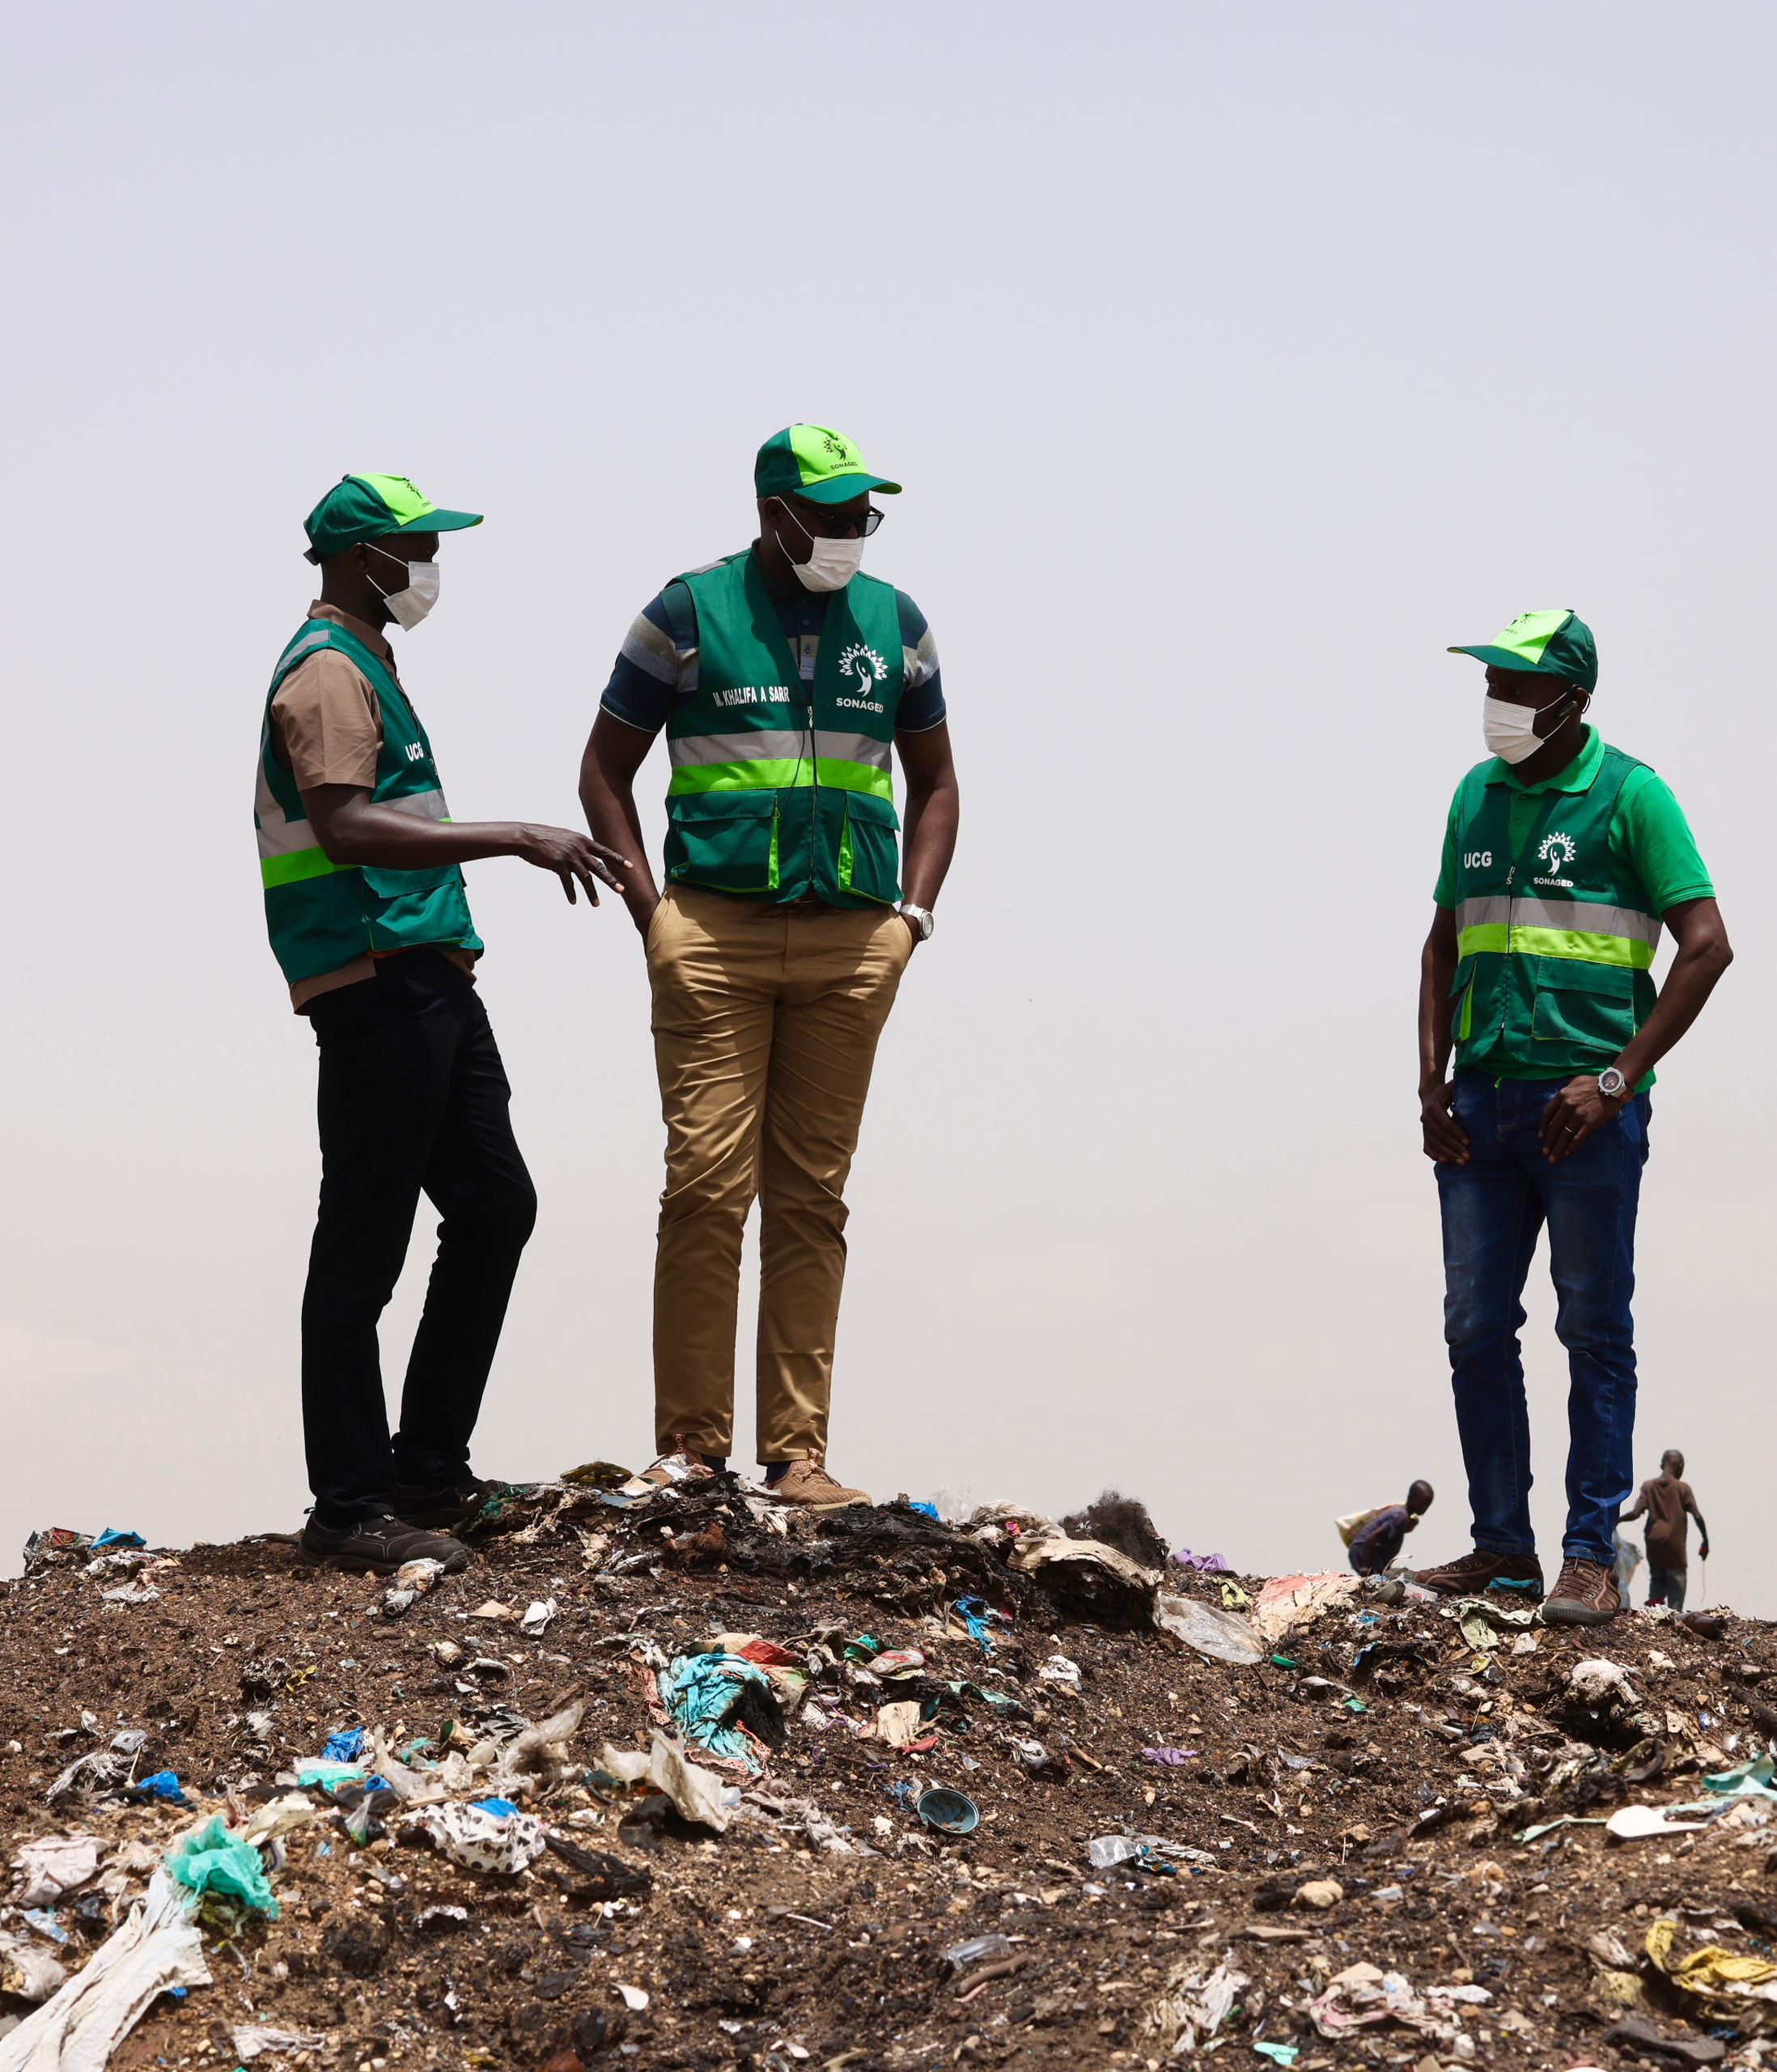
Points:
point(922, 918)
point(1612, 1084)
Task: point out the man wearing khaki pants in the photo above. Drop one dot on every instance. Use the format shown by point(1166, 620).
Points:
point(781, 676)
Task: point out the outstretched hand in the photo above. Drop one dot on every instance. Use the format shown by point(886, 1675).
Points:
point(1573, 1114)
point(575, 858)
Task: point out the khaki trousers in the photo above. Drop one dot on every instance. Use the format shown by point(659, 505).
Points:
point(766, 1022)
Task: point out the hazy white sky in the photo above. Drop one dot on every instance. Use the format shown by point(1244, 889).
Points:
point(1236, 361)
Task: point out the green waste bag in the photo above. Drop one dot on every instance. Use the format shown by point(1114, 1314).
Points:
point(210, 1859)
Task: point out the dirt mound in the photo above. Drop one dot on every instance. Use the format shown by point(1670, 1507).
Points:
point(644, 1786)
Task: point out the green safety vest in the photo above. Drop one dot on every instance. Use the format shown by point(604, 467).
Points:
point(1554, 944)
point(320, 916)
point(781, 788)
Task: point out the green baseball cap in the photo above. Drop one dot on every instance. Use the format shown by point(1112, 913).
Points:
point(810, 461)
point(372, 507)
point(1544, 644)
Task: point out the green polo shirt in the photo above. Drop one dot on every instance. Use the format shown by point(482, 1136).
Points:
point(1650, 840)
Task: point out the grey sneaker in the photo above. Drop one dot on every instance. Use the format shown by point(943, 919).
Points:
point(377, 1547)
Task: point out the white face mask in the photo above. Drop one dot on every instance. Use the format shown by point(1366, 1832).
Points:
point(1511, 730)
point(409, 606)
point(831, 563)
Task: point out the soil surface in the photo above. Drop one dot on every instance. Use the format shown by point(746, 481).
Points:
point(1357, 1798)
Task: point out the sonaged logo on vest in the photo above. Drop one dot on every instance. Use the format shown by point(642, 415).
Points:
point(867, 670)
point(1558, 851)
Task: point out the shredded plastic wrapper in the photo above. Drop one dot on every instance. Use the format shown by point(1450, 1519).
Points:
point(506, 1843)
point(1727, 1985)
point(210, 1860)
point(1222, 1636)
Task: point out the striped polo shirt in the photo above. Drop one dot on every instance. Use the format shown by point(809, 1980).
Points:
point(653, 669)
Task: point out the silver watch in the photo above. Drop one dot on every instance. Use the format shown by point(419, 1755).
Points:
point(921, 917)
point(1612, 1084)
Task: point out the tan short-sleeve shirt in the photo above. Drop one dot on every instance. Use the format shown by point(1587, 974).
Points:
point(327, 728)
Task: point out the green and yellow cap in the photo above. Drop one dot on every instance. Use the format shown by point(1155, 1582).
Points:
point(1544, 644)
point(810, 461)
point(372, 507)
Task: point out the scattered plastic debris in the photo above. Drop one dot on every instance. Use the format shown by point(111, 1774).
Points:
point(951, 1812)
point(1221, 1635)
point(158, 1950)
point(501, 1844)
point(211, 1860)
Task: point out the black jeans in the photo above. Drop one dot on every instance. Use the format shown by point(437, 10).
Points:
point(412, 1098)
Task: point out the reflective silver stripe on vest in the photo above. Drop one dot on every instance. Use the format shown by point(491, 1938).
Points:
point(314, 639)
point(776, 744)
point(1582, 916)
point(279, 837)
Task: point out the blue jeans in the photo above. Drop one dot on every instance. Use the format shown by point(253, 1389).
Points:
point(1494, 1208)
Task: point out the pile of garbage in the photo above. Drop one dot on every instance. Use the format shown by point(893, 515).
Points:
point(686, 1777)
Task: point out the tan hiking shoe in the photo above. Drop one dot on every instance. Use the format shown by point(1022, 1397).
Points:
point(807, 1482)
point(1585, 1594)
point(683, 1463)
point(1516, 1577)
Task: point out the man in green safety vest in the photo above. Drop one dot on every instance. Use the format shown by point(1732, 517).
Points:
point(1563, 859)
point(782, 677)
point(369, 920)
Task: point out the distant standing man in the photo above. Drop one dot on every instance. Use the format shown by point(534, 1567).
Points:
point(1562, 858)
point(781, 676)
point(368, 916)
point(1664, 1502)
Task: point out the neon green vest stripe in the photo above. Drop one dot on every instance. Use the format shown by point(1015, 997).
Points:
point(1554, 945)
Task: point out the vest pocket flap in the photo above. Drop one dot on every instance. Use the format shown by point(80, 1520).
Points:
point(1560, 975)
point(866, 806)
point(722, 806)
point(1465, 971)
point(727, 840)
point(1590, 1006)
point(404, 884)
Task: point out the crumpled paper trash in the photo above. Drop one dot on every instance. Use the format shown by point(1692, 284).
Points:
point(506, 1843)
point(1600, 1683)
point(159, 1947)
point(252, 2041)
point(1361, 1996)
point(1192, 2006)
point(45, 1870)
point(28, 1971)
point(697, 1793)
point(1289, 1602)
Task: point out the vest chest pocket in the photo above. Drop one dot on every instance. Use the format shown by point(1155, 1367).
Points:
point(868, 864)
point(725, 839)
point(1591, 1005)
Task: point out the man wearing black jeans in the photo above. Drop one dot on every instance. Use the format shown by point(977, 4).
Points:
point(367, 914)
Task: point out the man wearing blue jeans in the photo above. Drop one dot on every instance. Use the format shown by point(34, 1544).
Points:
point(1563, 859)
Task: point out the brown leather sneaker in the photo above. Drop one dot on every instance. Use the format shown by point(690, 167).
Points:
point(1518, 1577)
point(807, 1482)
point(1585, 1594)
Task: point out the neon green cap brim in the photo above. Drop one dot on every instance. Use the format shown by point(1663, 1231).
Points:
point(1503, 658)
point(842, 489)
point(441, 522)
